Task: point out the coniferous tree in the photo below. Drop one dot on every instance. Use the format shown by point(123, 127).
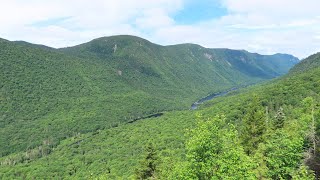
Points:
point(279, 118)
point(254, 126)
point(148, 165)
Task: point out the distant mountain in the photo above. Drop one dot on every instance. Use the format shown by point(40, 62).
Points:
point(250, 64)
point(254, 64)
point(49, 94)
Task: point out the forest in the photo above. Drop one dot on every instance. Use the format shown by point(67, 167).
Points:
point(269, 130)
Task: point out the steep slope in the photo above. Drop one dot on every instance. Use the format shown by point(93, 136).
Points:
point(48, 94)
point(117, 153)
point(187, 67)
point(247, 64)
point(254, 64)
point(288, 61)
point(312, 61)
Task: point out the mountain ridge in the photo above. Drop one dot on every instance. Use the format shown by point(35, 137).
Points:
point(55, 93)
point(310, 62)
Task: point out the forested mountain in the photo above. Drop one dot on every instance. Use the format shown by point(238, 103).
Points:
point(49, 94)
point(87, 94)
point(312, 61)
point(266, 131)
point(118, 50)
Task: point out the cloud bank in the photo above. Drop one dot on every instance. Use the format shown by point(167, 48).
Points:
point(263, 26)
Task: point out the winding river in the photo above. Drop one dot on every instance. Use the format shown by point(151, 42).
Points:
point(211, 96)
point(194, 105)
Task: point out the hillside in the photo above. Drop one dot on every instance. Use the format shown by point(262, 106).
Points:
point(50, 94)
point(283, 109)
point(177, 57)
point(312, 61)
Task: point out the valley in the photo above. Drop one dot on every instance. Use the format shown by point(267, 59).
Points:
point(91, 111)
point(160, 90)
point(52, 94)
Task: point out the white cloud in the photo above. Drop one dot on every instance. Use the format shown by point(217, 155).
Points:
point(87, 19)
point(263, 26)
point(154, 18)
point(282, 9)
point(280, 25)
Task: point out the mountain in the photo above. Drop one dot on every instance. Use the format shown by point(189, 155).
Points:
point(248, 64)
point(51, 94)
point(24, 43)
point(312, 61)
point(174, 141)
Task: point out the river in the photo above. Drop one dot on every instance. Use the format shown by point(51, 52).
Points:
point(211, 96)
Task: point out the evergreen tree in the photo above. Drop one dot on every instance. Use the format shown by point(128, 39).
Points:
point(279, 118)
point(148, 165)
point(254, 126)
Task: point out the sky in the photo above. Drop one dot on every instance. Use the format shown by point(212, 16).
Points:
point(262, 26)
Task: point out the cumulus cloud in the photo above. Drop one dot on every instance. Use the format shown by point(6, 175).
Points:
point(81, 20)
point(263, 26)
point(153, 19)
point(278, 25)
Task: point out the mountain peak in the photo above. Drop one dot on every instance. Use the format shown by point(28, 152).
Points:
point(122, 39)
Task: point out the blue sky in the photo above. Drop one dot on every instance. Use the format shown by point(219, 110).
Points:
point(262, 26)
point(198, 11)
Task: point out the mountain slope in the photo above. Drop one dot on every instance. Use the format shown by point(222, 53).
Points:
point(189, 67)
point(50, 94)
point(312, 61)
point(117, 153)
point(119, 47)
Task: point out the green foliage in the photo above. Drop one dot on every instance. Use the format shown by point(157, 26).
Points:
point(311, 62)
point(120, 149)
point(147, 168)
point(283, 154)
point(91, 95)
point(58, 93)
point(303, 173)
point(254, 125)
point(113, 153)
point(279, 118)
point(214, 152)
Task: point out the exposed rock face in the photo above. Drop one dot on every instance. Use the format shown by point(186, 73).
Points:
point(209, 56)
point(115, 48)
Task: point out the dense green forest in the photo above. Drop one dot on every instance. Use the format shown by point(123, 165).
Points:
point(267, 131)
point(47, 94)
